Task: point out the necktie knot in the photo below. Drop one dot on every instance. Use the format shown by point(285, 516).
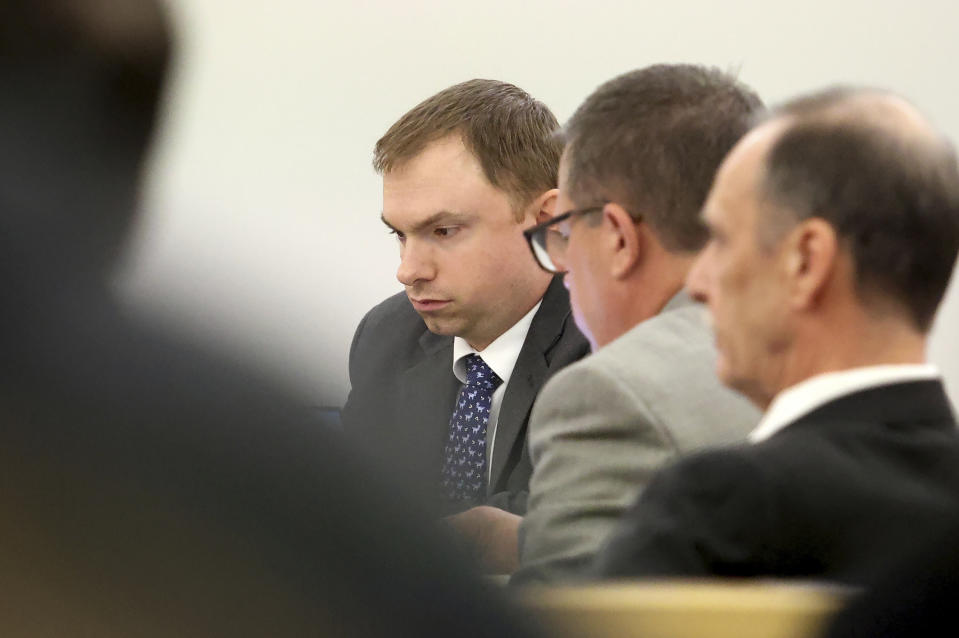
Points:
point(480, 375)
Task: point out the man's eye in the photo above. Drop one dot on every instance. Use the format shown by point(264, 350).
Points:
point(445, 231)
point(399, 236)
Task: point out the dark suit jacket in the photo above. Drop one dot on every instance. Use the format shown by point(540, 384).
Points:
point(838, 495)
point(915, 597)
point(403, 391)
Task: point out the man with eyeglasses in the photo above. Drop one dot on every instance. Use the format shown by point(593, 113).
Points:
point(639, 158)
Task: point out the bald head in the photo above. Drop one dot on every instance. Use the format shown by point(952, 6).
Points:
point(874, 168)
point(866, 107)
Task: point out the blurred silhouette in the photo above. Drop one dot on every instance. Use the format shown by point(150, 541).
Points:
point(147, 488)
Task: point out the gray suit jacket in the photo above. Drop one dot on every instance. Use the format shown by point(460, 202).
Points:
point(602, 427)
point(403, 390)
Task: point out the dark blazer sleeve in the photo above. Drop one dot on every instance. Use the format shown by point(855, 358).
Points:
point(706, 515)
point(513, 499)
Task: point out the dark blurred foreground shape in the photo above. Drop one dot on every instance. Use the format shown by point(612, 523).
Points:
point(146, 488)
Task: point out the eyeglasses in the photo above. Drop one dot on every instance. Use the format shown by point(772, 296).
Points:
point(548, 240)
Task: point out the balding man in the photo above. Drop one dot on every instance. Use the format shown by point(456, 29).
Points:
point(834, 230)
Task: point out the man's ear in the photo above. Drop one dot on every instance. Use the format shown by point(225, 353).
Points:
point(622, 239)
point(811, 253)
point(543, 208)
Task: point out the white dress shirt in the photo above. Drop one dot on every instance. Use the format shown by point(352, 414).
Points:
point(500, 356)
point(806, 396)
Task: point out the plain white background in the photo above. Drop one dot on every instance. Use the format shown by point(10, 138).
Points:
point(261, 230)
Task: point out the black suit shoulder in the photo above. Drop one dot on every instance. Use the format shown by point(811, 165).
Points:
point(673, 529)
point(394, 313)
point(834, 496)
point(390, 331)
point(387, 342)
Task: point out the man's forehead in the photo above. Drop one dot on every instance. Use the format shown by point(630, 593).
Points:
point(444, 154)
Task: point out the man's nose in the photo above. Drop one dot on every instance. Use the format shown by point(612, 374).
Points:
point(416, 264)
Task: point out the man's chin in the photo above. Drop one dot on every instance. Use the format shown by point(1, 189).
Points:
point(440, 326)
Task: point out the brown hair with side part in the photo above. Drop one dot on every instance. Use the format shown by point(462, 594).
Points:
point(509, 133)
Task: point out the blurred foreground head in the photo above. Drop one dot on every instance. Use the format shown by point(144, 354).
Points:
point(147, 488)
point(834, 231)
point(81, 82)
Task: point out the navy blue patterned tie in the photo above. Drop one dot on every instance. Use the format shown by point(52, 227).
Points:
point(464, 465)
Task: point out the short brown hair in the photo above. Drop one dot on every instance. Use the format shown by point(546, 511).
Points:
point(508, 132)
point(652, 140)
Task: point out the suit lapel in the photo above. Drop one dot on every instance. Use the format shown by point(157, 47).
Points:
point(531, 371)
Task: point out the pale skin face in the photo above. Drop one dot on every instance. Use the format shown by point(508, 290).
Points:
point(744, 284)
point(617, 272)
point(463, 259)
point(585, 276)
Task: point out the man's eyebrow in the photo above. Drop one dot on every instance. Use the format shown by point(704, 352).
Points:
point(442, 217)
point(388, 225)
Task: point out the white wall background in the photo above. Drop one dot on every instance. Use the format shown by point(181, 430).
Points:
point(261, 231)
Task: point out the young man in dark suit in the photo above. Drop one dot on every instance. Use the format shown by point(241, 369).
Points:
point(834, 231)
point(444, 374)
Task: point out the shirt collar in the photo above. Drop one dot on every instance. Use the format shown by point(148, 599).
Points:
point(805, 396)
point(501, 355)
